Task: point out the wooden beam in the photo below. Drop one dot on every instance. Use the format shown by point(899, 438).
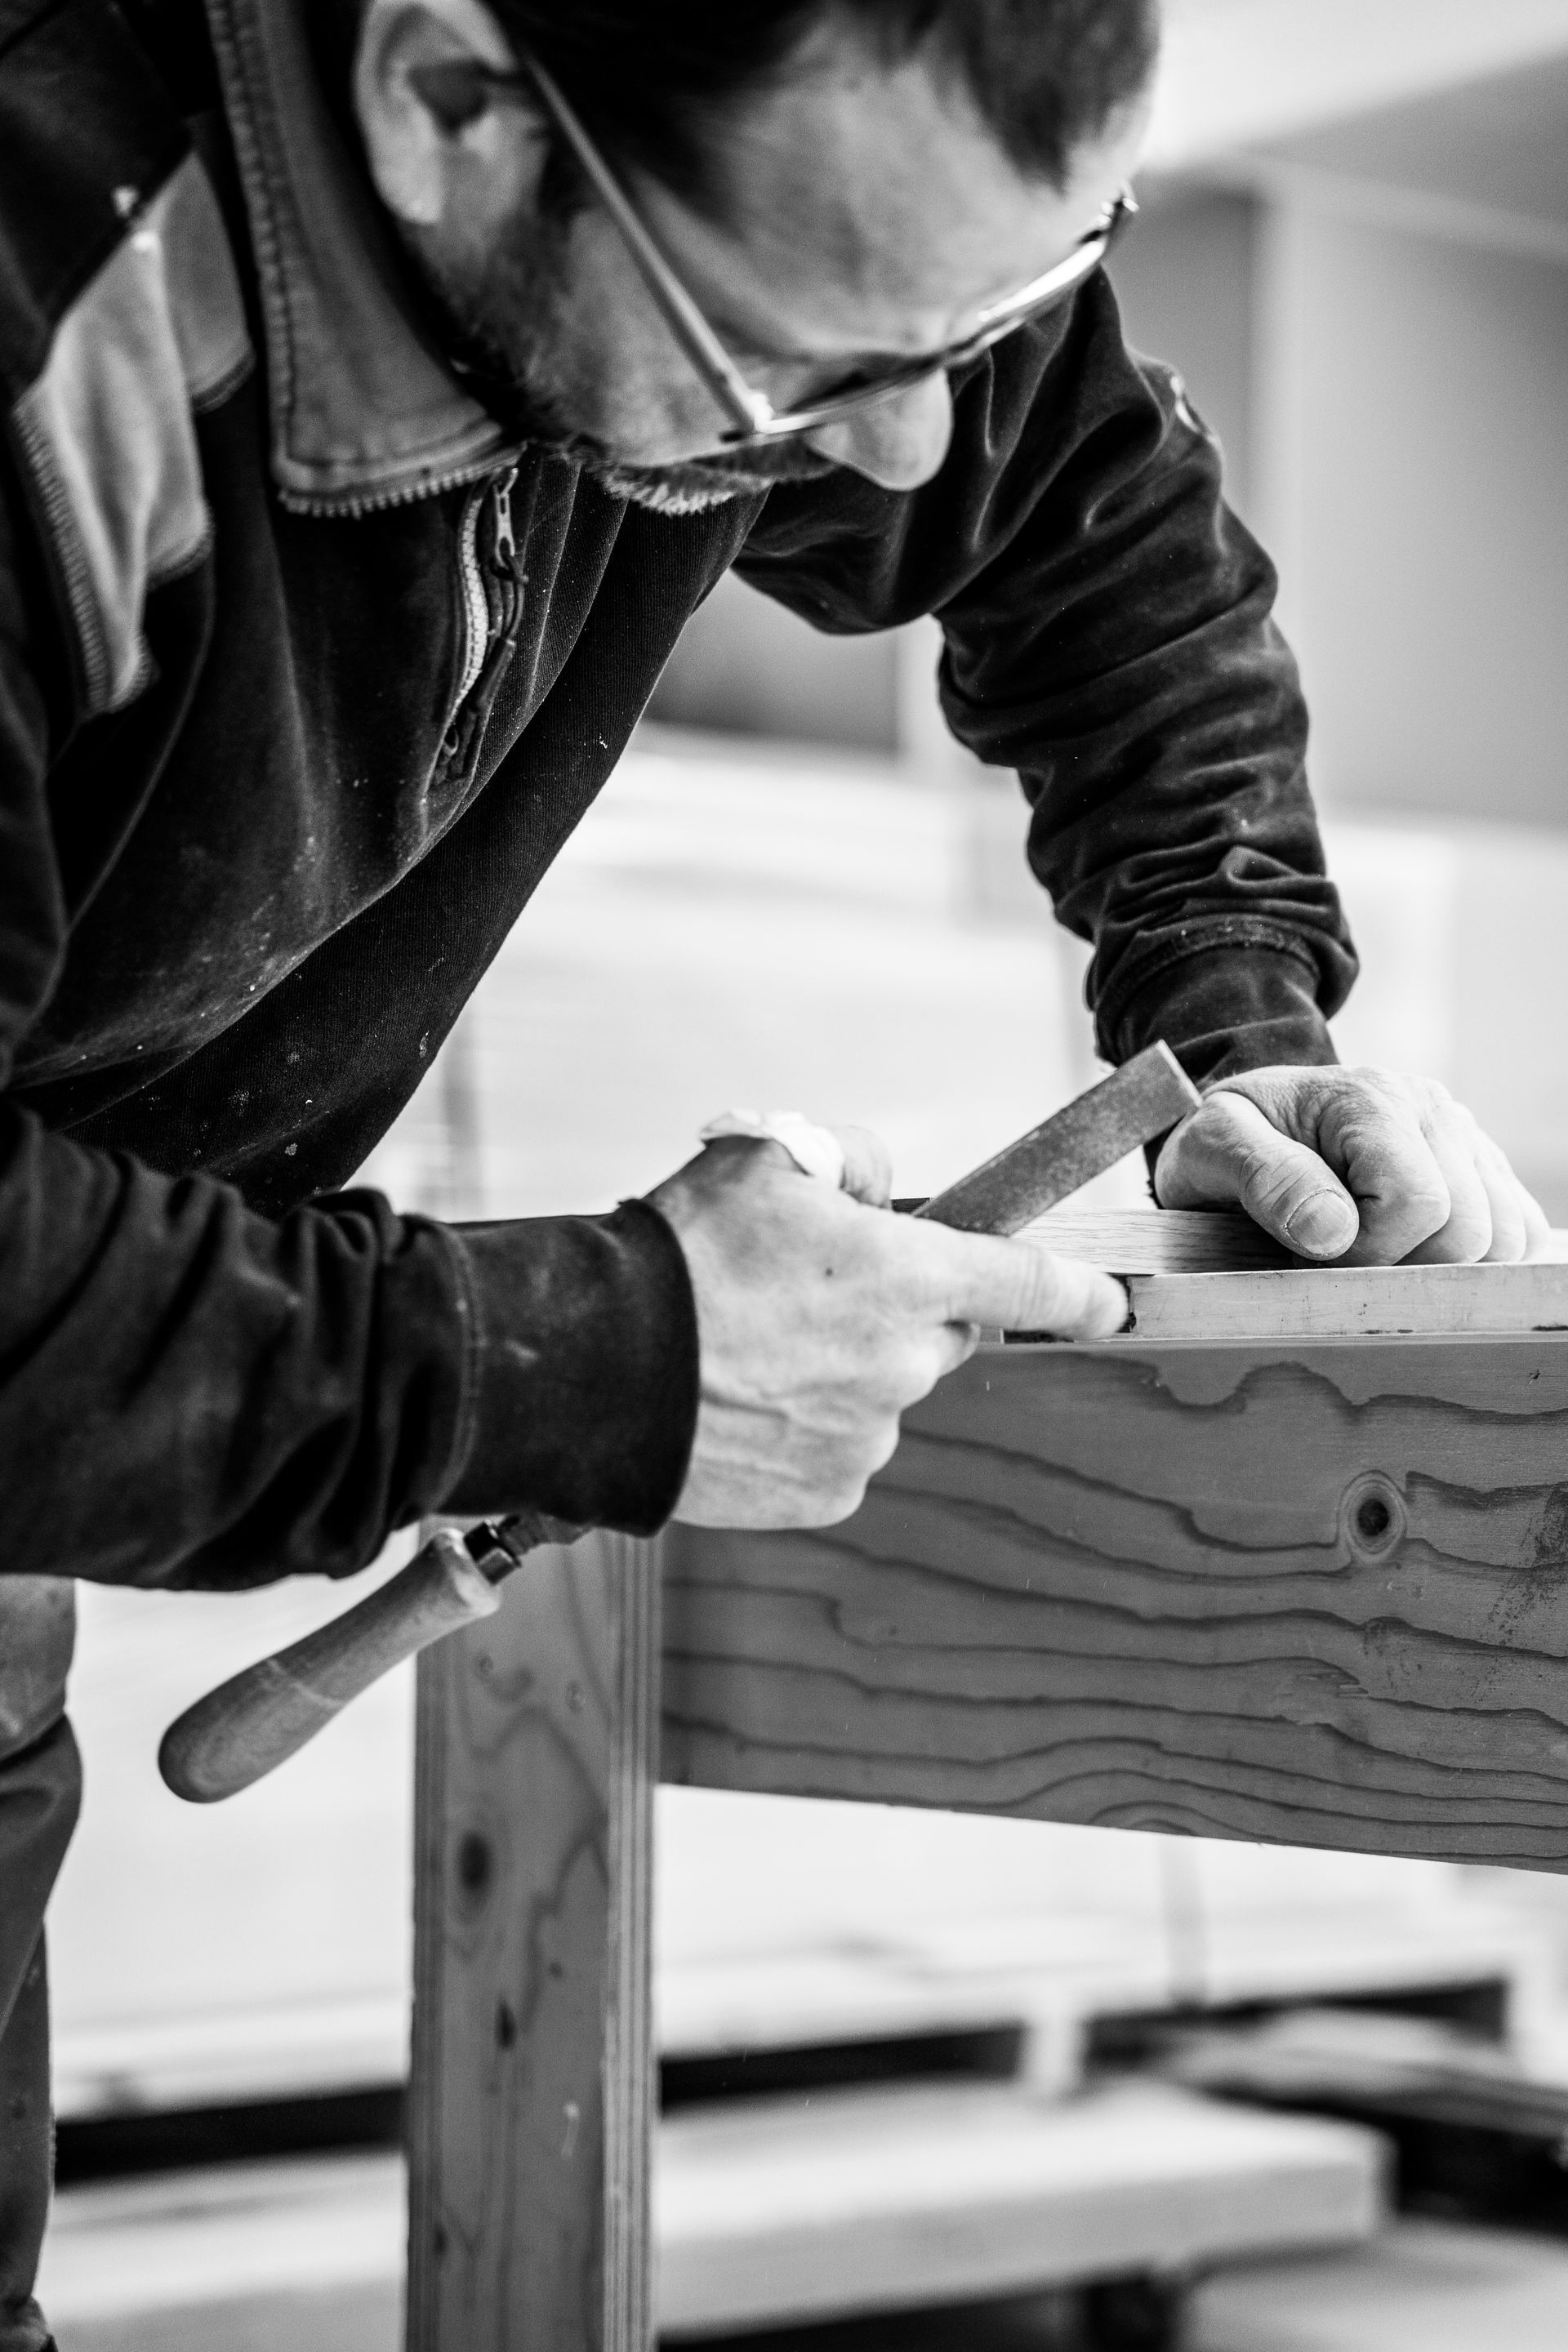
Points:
point(1305, 1595)
point(532, 2097)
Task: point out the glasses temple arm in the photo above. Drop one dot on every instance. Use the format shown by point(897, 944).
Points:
point(747, 407)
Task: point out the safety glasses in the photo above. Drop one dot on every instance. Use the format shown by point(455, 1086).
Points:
point(752, 418)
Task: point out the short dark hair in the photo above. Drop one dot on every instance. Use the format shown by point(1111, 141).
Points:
point(647, 75)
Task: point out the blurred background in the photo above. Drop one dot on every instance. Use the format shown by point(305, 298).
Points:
point(1327, 2100)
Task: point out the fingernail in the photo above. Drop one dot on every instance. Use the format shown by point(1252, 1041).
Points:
point(1322, 1226)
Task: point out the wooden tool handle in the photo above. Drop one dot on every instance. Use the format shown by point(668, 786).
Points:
point(254, 1722)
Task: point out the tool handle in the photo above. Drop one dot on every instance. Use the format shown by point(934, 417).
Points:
point(252, 1723)
point(260, 1716)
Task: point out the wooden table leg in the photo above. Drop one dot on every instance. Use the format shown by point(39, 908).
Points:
point(532, 2100)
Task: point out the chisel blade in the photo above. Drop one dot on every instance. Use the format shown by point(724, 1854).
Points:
point(1135, 1104)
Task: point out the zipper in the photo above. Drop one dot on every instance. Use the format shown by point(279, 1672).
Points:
point(475, 605)
point(92, 652)
point(505, 543)
point(493, 590)
point(350, 505)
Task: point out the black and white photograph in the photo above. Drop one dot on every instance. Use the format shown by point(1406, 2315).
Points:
point(784, 1176)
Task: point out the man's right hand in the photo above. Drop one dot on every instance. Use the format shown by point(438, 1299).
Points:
point(820, 1317)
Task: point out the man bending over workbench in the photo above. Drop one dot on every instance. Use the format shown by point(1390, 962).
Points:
point(388, 382)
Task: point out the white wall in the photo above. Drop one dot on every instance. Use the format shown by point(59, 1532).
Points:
point(1411, 461)
point(1185, 278)
point(1236, 71)
point(746, 665)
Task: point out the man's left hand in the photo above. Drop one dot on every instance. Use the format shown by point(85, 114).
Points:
point(1360, 1166)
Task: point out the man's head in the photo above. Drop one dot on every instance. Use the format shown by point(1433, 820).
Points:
point(840, 186)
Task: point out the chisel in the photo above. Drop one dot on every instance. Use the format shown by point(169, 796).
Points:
point(262, 1716)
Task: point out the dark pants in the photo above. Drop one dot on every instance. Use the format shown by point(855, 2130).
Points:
point(40, 1788)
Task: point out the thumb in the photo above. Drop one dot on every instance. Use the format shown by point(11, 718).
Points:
point(1229, 1151)
point(1021, 1288)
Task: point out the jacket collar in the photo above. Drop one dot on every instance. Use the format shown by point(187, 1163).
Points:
point(365, 411)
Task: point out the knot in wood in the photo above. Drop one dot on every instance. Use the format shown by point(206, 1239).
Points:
point(475, 1862)
point(1372, 1515)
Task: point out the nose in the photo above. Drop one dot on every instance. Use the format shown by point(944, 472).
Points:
point(898, 442)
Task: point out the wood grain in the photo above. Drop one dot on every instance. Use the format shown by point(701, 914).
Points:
point(1210, 1276)
point(532, 2092)
point(1159, 1241)
point(1436, 1302)
point(1314, 1595)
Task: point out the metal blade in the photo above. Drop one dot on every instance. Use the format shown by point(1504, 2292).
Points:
point(1135, 1104)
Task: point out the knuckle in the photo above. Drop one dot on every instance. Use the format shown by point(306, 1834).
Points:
point(1448, 1248)
point(1469, 1244)
point(1430, 1200)
point(1510, 1240)
point(844, 1503)
point(1378, 1095)
point(1411, 1225)
point(882, 1450)
point(871, 1444)
point(1469, 1232)
point(827, 1505)
point(1221, 1116)
point(966, 1338)
point(918, 1373)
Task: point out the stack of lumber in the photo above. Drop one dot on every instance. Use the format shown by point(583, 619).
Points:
point(774, 2210)
point(1476, 2129)
point(854, 2202)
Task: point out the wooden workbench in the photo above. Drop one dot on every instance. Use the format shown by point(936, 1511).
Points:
point(1308, 1589)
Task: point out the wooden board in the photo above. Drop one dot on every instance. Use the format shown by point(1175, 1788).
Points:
point(307, 2252)
point(1445, 2287)
point(1434, 1302)
point(1206, 1276)
point(1159, 1241)
point(1311, 1595)
point(1189, 1241)
point(531, 2095)
point(857, 2202)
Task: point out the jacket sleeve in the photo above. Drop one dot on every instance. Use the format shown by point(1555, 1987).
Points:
point(1107, 633)
point(192, 1393)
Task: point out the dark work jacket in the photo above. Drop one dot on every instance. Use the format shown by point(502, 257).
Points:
point(306, 674)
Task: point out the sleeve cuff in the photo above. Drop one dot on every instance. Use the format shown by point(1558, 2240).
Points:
point(1226, 1009)
point(586, 1370)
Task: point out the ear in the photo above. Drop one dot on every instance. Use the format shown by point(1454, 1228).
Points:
point(436, 127)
